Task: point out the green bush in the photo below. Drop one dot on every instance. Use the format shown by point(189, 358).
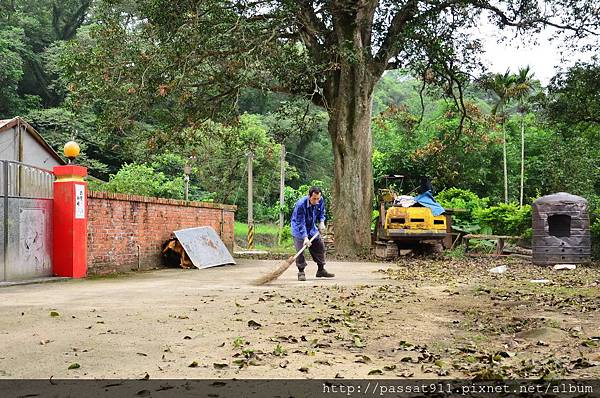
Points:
point(286, 235)
point(265, 214)
point(374, 220)
point(141, 179)
point(595, 230)
point(463, 199)
point(506, 219)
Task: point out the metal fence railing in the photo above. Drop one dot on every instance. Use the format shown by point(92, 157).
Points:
point(24, 181)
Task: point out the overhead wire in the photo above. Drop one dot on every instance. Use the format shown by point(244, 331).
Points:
point(309, 161)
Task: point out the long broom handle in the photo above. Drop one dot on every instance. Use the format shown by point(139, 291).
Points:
point(305, 246)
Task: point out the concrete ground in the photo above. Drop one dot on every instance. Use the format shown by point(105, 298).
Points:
point(128, 325)
point(417, 318)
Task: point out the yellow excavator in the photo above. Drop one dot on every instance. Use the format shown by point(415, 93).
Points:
point(405, 221)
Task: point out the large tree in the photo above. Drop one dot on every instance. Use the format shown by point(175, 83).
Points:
point(28, 28)
point(195, 55)
point(574, 99)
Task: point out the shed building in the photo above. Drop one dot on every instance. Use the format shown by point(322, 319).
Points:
point(21, 143)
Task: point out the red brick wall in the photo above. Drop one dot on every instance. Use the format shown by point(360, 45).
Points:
point(127, 230)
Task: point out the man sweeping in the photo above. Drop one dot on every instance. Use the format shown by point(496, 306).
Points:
point(309, 211)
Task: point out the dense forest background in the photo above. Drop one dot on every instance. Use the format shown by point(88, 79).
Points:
point(47, 55)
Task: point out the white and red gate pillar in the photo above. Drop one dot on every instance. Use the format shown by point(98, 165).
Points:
point(70, 222)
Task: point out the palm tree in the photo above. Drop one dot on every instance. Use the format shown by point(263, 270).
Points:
point(522, 87)
point(502, 86)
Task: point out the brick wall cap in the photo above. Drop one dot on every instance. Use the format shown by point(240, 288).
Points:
point(163, 201)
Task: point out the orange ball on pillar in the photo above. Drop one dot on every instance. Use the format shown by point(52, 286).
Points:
point(71, 150)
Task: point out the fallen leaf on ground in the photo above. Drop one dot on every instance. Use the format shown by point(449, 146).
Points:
point(363, 359)
point(253, 324)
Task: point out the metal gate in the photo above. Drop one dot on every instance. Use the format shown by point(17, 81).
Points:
point(26, 216)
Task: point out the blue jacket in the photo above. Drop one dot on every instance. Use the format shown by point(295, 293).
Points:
point(305, 217)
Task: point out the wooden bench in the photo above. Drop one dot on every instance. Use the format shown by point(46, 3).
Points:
point(498, 238)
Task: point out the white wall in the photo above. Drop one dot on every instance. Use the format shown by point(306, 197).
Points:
point(33, 152)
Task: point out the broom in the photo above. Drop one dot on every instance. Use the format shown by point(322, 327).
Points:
point(282, 267)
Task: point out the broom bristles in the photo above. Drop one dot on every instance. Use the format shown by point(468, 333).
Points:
point(271, 276)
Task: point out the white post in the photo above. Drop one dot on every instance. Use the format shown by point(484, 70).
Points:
point(250, 203)
point(281, 191)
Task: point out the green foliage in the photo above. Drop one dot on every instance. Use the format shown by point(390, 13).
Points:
point(374, 218)
point(286, 235)
point(172, 166)
point(554, 160)
point(595, 231)
point(458, 253)
point(506, 218)
point(265, 213)
point(573, 96)
point(12, 46)
point(59, 125)
point(558, 162)
point(27, 29)
point(436, 147)
point(507, 87)
point(221, 159)
point(279, 351)
point(239, 342)
point(463, 199)
point(141, 179)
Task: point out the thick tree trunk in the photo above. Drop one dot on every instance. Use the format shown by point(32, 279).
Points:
point(350, 129)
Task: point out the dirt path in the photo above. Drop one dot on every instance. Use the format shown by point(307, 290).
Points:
point(417, 318)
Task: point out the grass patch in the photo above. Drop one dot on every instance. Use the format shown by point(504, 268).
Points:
point(241, 229)
point(479, 338)
point(553, 323)
point(458, 253)
point(272, 230)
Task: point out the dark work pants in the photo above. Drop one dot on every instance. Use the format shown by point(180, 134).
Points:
point(317, 251)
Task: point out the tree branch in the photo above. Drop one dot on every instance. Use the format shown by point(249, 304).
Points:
point(366, 14)
point(311, 30)
point(525, 23)
point(311, 22)
point(409, 13)
point(399, 22)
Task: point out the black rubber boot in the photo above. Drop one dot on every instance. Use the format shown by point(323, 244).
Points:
point(322, 273)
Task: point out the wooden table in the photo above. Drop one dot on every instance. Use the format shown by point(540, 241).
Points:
point(498, 238)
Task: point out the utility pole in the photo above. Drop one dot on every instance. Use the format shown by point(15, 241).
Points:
point(281, 191)
point(187, 169)
point(250, 203)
